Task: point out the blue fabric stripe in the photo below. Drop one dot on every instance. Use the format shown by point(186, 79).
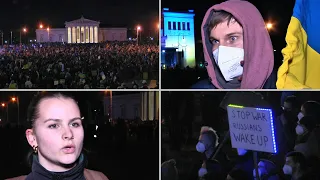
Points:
point(308, 13)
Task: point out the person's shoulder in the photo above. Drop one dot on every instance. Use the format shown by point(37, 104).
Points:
point(203, 84)
point(94, 175)
point(18, 178)
point(271, 81)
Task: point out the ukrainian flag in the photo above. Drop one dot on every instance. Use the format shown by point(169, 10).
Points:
point(301, 58)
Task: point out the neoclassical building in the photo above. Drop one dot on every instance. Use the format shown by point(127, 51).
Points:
point(144, 105)
point(81, 31)
point(177, 38)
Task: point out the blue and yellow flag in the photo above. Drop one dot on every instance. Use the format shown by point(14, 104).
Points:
point(301, 58)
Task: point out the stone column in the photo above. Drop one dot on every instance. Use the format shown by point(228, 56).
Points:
point(78, 34)
point(69, 35)
point(91, 34)
point(96, 34)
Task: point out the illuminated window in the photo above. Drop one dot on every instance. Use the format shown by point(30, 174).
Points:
point(188, 26)
point(169, 25)
point(179, 25)
point(174, 26)
point(183, 26)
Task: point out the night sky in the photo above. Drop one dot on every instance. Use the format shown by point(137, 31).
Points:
point(277, 11)
point(15, 14)
point(93, 97)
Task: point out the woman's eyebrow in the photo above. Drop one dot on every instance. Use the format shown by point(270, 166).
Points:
point(59, 120)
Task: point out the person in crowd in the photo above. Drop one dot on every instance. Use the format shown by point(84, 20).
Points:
point(267, 170)
point(169, 170)
point(285, 125)
point(289, 118)
point(237, 48)
point(237, 174)
point(77, 66)
point(207, 143)
point(244, 163)
point(296, 167)
point(56, 136)
point(310, 108)
point(308, 137)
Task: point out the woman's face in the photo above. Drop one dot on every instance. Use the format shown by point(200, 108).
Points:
point(58, 133)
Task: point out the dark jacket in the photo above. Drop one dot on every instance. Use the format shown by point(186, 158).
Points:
point(89, 175)
point(206, 84)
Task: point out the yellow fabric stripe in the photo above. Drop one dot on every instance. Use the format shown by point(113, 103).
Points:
point(292, 73)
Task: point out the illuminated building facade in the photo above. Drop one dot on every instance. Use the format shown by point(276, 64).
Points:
point(177, 38)
point(143, 105)
point(81, 31)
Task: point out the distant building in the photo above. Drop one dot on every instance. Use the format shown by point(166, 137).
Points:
point(81, 31)
point(177, 38)
point(143, 105)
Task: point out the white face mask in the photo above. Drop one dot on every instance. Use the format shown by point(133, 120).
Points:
point(228, 60)
point(300, 116)
point(299, 130)
point(200, 147)
point(287, 170)
point(202, 172)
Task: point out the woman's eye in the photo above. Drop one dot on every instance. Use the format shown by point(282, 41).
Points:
point(53, 126)
point(75, 124)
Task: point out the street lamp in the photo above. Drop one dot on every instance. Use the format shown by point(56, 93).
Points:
point(269, 26)
point(158, 31)
point(4, 105)
point(24, 30)
point(138, 29)
point(41, 26)
point(48, 29)
point(16, 99)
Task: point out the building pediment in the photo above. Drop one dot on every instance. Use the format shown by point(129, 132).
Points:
point(82, 21)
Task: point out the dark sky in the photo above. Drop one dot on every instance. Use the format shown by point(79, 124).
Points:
point(93, 97)
point(125, 13)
